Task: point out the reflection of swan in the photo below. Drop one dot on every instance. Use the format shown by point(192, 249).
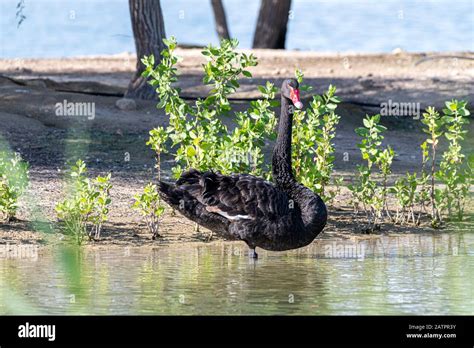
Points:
point(281, 216)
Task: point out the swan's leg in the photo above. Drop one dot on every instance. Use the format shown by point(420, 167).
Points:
point(252, 253)
point(210, 236)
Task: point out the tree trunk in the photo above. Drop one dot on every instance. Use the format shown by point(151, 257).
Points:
point(271, 24)
point(220, 18)
point(149, 31)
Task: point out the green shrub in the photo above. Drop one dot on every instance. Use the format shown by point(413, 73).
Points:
point(86, 207)
point(148, 202)
point(405, 191)
point(14, 178)
point(453, 171)
point(433, 127)
point(201, 140)
point(149, 206)
point(313, 151)
point(366, 191)
point(384, 163)
point(157, 143)
point(255, 127)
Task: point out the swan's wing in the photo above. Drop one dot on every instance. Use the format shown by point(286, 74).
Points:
point(237, 196)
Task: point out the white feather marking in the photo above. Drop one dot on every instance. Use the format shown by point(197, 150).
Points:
point(224, 214)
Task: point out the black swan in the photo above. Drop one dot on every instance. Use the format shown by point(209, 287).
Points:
point(281, 216)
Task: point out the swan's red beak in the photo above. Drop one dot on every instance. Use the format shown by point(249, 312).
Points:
point(295, 98)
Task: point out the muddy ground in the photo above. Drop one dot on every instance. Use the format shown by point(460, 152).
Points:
point(114, 141)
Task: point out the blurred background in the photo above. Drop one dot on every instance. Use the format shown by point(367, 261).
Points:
point(82, 27)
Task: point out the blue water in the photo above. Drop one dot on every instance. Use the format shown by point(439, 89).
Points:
point(63, 28)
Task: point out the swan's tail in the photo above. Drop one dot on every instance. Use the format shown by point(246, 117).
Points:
point(170, 194)
point(182, 201)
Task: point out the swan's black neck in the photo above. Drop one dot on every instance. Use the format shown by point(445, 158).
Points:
point(281, 161)
point(313, 209)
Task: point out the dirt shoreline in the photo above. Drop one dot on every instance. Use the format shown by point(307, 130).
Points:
point(29, 89)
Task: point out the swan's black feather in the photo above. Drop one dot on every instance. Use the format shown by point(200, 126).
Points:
point(237, 194)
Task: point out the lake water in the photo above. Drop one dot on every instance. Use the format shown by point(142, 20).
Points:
point(401, 274)
point(56, 28)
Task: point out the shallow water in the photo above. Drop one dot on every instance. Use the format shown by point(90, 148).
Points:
point(404, 274)
point(56, 28)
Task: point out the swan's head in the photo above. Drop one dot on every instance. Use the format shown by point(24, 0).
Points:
point(289, 89)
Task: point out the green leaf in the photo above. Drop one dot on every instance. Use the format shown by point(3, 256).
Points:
point(190, 151)
point(362, 131)
point(247, 73)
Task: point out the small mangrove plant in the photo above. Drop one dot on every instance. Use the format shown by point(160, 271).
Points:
point(433, 127)
point(14, 179)
point(453, 172)
point(86, 207)
point(367, 191)
point(312, 143)
point(439, 191)
point(148, 202)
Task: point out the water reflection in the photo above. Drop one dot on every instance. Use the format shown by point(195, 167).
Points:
point(405, 274)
